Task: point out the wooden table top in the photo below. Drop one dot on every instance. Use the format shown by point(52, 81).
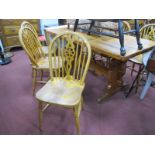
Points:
point(109, 46)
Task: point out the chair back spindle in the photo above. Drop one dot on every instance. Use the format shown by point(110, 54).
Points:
point(72, 52)
point(31, 45)
point(148, 32)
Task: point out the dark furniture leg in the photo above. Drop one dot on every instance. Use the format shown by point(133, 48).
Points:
point(140, 46)
point(135, 80)
point(76, 24)
point(91, 25)
point(121, 37)
point(4, 60)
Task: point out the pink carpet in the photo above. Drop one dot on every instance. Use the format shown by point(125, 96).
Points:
point(18, 108)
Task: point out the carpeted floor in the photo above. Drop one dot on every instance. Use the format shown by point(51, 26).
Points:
point(18, 108)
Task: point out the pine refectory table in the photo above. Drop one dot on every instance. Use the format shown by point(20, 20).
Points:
point(109, 47)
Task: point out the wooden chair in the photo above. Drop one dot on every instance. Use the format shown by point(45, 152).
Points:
point(149, 64)
point(147, 85)
point(33, 48)
point(30, 26)
point(66, 84)
point(142, 22)
point(126, 26)
point(146, 32)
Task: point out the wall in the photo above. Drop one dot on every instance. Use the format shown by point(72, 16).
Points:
point(47, 23)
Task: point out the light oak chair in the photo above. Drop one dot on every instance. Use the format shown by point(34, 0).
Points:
point(146, 32)
point(30, 26)
point(66, 84)
point(149, 63)
point(147, 85)
point(33, 48)
point(126, 26)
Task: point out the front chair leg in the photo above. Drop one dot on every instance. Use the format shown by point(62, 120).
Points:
point(34, 80)
point(77, 110)
point(40, 114)
point(32, 72)
point(138, 80)
point(147, 85)
point(41, 75)
point(82, 102)
point(132, 69)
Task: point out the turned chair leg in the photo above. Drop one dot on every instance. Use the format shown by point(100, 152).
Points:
point(77, 123)
point(132, 70)
point(32, 72)
point(147, 85)
point(77, 110)
point(41, 75)
point(34, 80)
point(139, 78)
point(82, 103)
point(135, 80)
point(40, 114)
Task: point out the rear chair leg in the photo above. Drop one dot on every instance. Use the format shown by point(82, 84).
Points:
point(34, 80)
point(41, 75)
point(77, 110)
point(40, 114)
point(132, 69)
point(147, 85)
point(82, 102)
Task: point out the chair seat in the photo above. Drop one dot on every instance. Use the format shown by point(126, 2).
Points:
point(146, 57)
point(45, 50)
point(138, 59)
point(44, 63)
point(61, 92)
point(142, 58)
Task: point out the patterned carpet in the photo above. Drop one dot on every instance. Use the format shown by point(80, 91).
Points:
point(18, 108)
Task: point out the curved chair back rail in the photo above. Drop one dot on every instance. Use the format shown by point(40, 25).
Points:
point(30, 26)
point(126, 26)
point(148, 31)
point(31, 44)
point(26, 24)
point(74, 52)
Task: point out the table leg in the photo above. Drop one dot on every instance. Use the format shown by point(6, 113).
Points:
point(76, 24)
point(140, 46)
point(121, 37)
point(115, 74)
point(91, 25)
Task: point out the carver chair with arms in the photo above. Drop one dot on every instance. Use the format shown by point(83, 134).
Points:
point(67, 83)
